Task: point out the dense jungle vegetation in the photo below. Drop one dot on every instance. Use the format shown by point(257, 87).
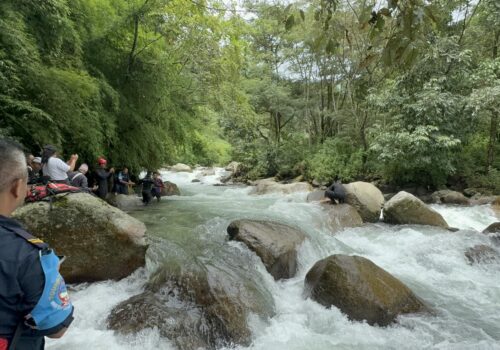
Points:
point(404, 91)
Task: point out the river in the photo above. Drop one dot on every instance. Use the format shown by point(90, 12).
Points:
point(429, 260)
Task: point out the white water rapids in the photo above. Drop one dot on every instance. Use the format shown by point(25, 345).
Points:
point(429, 260)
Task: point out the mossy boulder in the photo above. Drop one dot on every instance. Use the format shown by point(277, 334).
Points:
point(124, 202)
point(405, 208)
point(366, 198)
point(170, 189)
point(276, 244)
point(360, 289)
point(197, 307)
point(100, 241)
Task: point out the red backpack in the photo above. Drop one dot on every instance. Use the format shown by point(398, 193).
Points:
point(41, 192)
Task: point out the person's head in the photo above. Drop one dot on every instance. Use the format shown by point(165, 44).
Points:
point(29, 159)
point(102, 162)
point(84, 168)
point(47, 152)
point(13, 176)
point(36, 164)
point(125, 170)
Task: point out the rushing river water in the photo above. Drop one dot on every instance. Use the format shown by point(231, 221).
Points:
point(429, 260)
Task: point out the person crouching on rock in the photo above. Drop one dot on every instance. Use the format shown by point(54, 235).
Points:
point(147, 185)
point(34, 302)
point(336, 192)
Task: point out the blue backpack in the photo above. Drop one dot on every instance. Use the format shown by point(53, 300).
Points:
point(54, 305)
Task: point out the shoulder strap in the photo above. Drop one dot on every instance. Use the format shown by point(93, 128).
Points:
point(37, 242)
point(76, 175)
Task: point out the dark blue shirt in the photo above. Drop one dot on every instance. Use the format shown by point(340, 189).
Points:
point(21, 284)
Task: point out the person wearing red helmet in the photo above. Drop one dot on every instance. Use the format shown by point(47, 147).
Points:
point(102, 176)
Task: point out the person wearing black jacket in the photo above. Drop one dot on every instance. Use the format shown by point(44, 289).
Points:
point(147, 185)
point(102, 176)
point(336, 192)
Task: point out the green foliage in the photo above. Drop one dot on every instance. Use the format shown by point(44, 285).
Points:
point(336, 158)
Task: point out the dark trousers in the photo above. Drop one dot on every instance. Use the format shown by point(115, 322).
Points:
point(334, 196)
point(146, 197)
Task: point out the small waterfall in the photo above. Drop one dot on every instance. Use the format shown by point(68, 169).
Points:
point(429, 260)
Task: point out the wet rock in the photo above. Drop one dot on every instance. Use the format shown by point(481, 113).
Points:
point(449, 197)
point(366, 198)
point(405, 208)
point(341, 216)
point(197, 307)
point(170, 189)
point(179, 167)
point(195, 180)
point(481, 254)
point(100, 241)
point(493, 228)
point(124, 202)
point(482, 200)
point(360, 289)
point(316, 196)
point(495, 205)
point(267, 186)
point(275, 243)
point(388, 196)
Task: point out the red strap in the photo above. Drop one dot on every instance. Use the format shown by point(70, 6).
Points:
point(4, 344)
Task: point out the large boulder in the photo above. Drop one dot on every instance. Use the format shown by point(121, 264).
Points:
point(275, 243)
point(100, 241)
point(481, 254)
point(170, 189)
point(179, 167)
point(341, 216)
point(366, 198)
point(234, 167)
point(360, 289)
point(267, 186)
point(405, 208)
point(449, 197)
point(493, 228)
point(197, 307)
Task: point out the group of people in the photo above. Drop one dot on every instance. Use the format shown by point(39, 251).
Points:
point(50, 168)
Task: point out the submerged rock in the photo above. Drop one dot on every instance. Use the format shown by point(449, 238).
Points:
point(100, 241)
point(341, 216)
point(197, 307)
point(481, 253)
point(316, 196)
point(360, 289)
point(170, 189)
point(366, 198)
point(179, 167)
point(449, 197)
point(276, 244)
point(124, 202)
point(267, 186)
point(493, 231)
point(405, 208)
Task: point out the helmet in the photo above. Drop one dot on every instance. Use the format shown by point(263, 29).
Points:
point(102, 161)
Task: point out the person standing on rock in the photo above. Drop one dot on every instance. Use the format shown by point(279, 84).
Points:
point(336, 192)
point(54, 168)
point(102, 176)
point(34, 302)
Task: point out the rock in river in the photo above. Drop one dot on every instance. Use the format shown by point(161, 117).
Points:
point(101, 242)
point(341, 216)
point(276, 244)
point(449, 197)
point(405, 208)
point(366, 198)
point(360, 289)
point(267, 186)
point(179, 167)
point(170, 189)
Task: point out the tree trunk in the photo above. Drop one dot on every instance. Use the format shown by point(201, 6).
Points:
point(131, 55)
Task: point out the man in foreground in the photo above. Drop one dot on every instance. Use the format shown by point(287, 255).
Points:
point(34, 301)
